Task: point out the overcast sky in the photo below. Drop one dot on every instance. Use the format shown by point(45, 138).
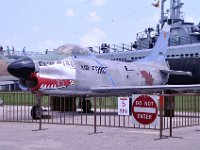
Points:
point(47, 24)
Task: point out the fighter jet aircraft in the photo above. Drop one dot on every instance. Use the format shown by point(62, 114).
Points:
point(90, 75)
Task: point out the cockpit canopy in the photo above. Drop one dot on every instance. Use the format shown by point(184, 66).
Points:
point(72, 50)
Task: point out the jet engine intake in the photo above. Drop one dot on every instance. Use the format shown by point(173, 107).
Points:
point(36, 82)
point(28, 83)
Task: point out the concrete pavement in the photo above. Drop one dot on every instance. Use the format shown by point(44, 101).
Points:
point(19, 136)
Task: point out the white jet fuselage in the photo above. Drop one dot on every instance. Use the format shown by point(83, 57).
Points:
point(91, 75)
point(85, 73)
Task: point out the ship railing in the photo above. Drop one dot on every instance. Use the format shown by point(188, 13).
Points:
point(94, 49)
point(143, 45)
point(15, 54)
point(122, 47)
point(173, 41)
point(116, 48)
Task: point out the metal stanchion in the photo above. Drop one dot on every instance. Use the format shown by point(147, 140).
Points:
point(39, 103)
point(40, 112)
point(95, 117)
point(172, 108)
point(170, 120)
point(161, 116)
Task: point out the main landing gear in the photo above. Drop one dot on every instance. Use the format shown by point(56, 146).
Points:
point(85, 104)
point(36, 112)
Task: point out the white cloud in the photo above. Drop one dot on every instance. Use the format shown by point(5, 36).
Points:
point(93, 37)
point(70, 13)
point(93, 16)
point(98, 2)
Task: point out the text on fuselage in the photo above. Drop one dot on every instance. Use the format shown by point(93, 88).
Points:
point(98, 69)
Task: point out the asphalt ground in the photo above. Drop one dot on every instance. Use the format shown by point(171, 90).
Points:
point(22, 136)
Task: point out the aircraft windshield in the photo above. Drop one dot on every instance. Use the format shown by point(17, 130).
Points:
point(72, 50)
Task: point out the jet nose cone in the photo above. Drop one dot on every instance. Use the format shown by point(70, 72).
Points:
point(22, 68)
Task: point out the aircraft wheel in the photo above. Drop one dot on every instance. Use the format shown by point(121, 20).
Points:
point(35, 112)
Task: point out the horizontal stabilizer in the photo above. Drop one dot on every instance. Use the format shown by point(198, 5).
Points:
point(173, 72)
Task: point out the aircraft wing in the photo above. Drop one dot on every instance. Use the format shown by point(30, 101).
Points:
point(146, 89)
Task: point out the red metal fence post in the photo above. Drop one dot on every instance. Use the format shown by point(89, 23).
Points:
point(171, 115)
point(161, 115)
point(95, 115)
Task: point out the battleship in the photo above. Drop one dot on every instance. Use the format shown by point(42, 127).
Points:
point(183, 51)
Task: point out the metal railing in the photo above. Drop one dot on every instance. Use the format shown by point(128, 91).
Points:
point(175, 110)
point(16, 54)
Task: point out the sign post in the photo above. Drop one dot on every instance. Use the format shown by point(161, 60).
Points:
point(145, 109)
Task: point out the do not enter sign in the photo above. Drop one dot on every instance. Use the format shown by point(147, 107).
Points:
point(144, 108)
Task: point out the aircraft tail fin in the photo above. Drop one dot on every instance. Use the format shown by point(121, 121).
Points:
point(159, 51)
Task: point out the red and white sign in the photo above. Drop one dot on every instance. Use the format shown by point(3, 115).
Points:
point(145, 109)
point(123, 105)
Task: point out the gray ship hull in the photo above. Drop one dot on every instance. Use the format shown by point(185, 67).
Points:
point(185, 64)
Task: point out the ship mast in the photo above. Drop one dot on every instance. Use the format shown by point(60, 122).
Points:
point(175, 13)
point(162, 20)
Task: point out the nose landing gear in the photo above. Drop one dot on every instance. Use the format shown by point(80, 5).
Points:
point(37, 111)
